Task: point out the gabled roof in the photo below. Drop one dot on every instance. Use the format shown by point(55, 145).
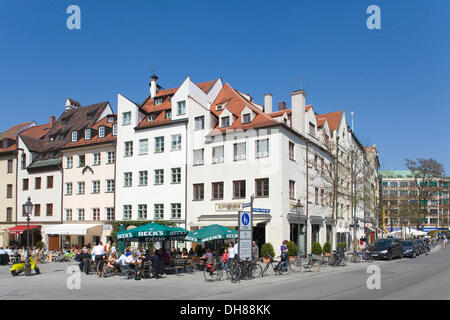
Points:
point(149, 104)
point(95, 139)
point(333, 119)
point(12, 132)
point(71, 120)
point(236, 103)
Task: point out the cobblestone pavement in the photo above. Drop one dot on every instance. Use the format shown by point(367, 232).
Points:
point(52, 283)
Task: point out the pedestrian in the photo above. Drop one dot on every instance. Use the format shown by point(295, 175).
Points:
point(98, 252)
point(230, 253)
point(445, 242)
point(255, 251)
point(236, 249)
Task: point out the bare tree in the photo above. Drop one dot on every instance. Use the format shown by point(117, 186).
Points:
point(426, 173)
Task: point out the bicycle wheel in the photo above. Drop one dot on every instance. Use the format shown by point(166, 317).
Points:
point(296, 265)
point(209, 276)
point(235, 274)
point(355, 258)
point(218, 273)
point(283, 268)
point(256, 270)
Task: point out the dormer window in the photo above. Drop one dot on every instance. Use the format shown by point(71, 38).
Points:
point(110, 119)
point(74, 136)
point(225, 122)
point(151, 117)
point(90, 116)
point(101, 132)
point(312, 129)
point(168, 114)
point(219, 107)
point(62, 136)
point(114, 130)
point(246, 118)
point(158, 101)
point(52, 138)
point(87, 134)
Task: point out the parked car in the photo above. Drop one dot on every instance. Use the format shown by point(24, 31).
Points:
point(386, 249)
point(410, 248)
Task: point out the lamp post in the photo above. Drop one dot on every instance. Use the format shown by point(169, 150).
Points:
point(299, 208)
point(28, 208)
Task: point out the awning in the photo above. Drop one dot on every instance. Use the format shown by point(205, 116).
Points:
point(20, 229)
point(78, 229)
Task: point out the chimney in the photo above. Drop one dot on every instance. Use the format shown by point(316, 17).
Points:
point(52, 121)
point(153, 86)
point(298, 110)
point(268, 103)
point(281, 105)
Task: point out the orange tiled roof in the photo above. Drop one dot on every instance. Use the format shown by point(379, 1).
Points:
point(333, 119)
point(235, 103)
point(149, 105)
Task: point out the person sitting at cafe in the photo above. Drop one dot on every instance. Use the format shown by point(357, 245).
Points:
point(156, 264)
point(191, 252)
point(132, 260)
point(121, 262)
point(184, 254)
point(164, 256)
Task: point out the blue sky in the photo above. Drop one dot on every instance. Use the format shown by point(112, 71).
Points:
point(396, 79)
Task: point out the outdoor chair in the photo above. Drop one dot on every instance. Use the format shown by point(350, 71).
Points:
point(128, 272)
point(147, 270)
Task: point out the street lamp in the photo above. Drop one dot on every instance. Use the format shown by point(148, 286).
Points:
point(28, 208)
point(299, 207)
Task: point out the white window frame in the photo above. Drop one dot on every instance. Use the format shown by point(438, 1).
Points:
point(181, 107)
point(87, 134)
point(74, 136)
point(143, 146)
point(101, 132)
point(176, 142)
point(126, 118)
point(159, 144)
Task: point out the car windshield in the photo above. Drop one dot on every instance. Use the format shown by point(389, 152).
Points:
point(407, 243)
point(382, 243)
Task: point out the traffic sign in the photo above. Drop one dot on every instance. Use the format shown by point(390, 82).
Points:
point(246, 205)
point(245, 235)
point(261, 210)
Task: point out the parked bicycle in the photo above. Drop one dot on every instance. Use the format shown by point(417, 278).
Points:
point(313, 263)
point(281, 267)
point(339, 257)
point(359, 256)
point(241, 269)
point(297, 264)
point(213, 270)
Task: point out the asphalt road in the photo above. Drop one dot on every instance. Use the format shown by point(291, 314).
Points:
point(426, 277)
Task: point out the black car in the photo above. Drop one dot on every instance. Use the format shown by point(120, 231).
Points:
point(410, 248)
point(386, 249)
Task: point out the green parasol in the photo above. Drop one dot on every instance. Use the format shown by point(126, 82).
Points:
point(210, 233)
point(153, 232)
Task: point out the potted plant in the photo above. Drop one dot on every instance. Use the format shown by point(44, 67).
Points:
point(341, 245)
point(316, 249)
point(327, 249)
point(292, 250)
point(267, 252)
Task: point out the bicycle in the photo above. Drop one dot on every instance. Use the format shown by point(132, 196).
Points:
point(312, 262)
point(359, 256)
point(297, 264)
point(281, 268)
point(213, 270)
point(240, 269)
point(339, 258)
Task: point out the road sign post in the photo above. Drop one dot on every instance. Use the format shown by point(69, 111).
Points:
point(245, 226)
